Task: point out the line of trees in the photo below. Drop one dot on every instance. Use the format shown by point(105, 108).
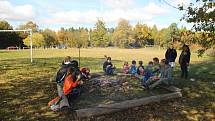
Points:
point(123, 36)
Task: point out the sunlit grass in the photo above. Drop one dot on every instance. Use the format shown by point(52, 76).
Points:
point(25, 87)
point(144, 54)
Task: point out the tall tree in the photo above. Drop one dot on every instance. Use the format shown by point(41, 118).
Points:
point(73, 37)
point(50, 37)
point(38, 40)
point(9, 38)
point(29, 25)
point(62, 37)
point(123, 35)
point(4, 25)
point(202, 15)
point(78, 37)
point(154, 34)
point(164, 37)
point(99, 34)
point(168, 35)
point(174, 32)
point(84, 36)
point(187, 36)
point(142, 34)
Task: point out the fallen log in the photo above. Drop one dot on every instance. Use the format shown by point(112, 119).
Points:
point(106, 109)
point(171, 88)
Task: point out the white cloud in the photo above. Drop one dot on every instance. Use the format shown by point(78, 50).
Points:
point(11, 12)
point(77, 17)
point(118, 4)
point(146, 13)
point(154, 9)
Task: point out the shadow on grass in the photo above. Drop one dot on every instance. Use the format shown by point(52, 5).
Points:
point(197, 103)
point(26, 88)
point(198, 91)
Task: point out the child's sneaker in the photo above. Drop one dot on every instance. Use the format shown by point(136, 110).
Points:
point(55, 107)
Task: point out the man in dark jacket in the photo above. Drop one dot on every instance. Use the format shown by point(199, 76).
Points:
point(184, 61)
point(171, 55)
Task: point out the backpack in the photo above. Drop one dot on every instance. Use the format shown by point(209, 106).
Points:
point(62, 72)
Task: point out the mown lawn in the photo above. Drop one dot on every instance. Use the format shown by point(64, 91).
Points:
point(26, 88)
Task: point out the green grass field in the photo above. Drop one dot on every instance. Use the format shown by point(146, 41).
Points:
point(25, 87)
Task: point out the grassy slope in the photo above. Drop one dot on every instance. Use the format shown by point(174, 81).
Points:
point(25, 88)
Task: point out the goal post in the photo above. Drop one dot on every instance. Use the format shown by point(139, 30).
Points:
point(30, 36)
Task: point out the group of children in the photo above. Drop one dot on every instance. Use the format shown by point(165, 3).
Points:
point(154, 71)
point(70, 77)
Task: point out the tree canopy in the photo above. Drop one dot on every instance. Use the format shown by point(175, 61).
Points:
point(29, 25)
point(122, 36)
point(38, 40)
point(99, 34)
point(202, 15)
point(8, 39)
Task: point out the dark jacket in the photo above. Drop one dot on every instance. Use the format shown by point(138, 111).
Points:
point(62, 72)
point(171, 55)
point(184, 57)
point(106, 63)
point(138, 69)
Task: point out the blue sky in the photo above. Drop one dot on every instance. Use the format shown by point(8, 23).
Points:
point(84, 13)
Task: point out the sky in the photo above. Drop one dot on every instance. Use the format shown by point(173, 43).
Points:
point(55, 14)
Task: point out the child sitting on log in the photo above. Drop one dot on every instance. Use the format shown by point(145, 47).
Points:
point(108, 66)
point(133, 68)
point(126, 68)
point(148, 72)
point(166, 72)
point(165, 76)
point(140, 69)
point(152, 70)
point(156, 67)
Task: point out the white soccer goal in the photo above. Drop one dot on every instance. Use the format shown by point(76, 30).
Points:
point(30, 34)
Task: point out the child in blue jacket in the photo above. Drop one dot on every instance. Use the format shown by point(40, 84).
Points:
point(133, 68)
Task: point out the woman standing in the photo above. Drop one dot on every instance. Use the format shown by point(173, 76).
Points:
point(184, 61)
point(171, 55)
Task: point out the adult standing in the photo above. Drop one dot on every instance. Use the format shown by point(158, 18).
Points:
point(171, 55)
point(184, 61)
